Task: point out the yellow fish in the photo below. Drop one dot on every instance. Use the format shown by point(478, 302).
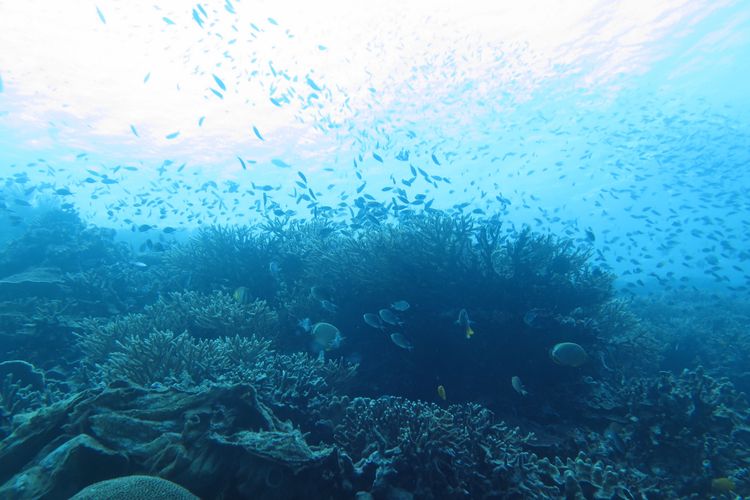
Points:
point(441, 392)
point(469, 331)
point(241, 295)
point(722, 485)
point(464, 322)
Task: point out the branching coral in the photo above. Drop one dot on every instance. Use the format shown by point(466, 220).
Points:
point(224, 256)
point(462, 452)
point(204, 316)
point(690, 426)
point(165, 357)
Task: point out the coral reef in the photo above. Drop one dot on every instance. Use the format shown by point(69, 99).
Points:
point(213, 315)
point(23, 387)
point(692, 426)
point(197, 366)
point(134, 488)
point(216, 441)
point(222, 441)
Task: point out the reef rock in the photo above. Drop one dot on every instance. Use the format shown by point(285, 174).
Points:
point(216, 441)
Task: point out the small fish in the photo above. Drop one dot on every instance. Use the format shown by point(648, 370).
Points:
point(241, 295)
point(275, 269)
point(402, 341)
point(518, 386)
point(441, 392)
point(312, 84)
point(173, 135)
point(144, 227)
point(101, 16)
point(219, 82)
point(197, 18)
point(140, 264)
point(373, 320)
point(464, 322)
point(169, 230)
point(63, 192)
point(280, 163)
point(400, 305)
point(329, 306)
point(388, 316)
point(257, 133)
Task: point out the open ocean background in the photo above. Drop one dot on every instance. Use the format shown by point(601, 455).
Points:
point(434, 250)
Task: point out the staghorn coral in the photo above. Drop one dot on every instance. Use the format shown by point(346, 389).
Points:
point(550, 272)
point(204, 316)
point(423, 448)
point(291, 383)
point(23, 387)
point(224, 256)
point(163, 357)
point(461, 451)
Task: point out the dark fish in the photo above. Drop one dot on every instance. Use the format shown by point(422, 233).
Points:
point(401, 341)
point(329, 306)
point(257, 133)
point(400, 305)
point(373, 320)
point(144, 227)
point(388, 316)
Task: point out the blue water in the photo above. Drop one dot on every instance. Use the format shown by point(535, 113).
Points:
point(638, 124)
point(622, 129)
